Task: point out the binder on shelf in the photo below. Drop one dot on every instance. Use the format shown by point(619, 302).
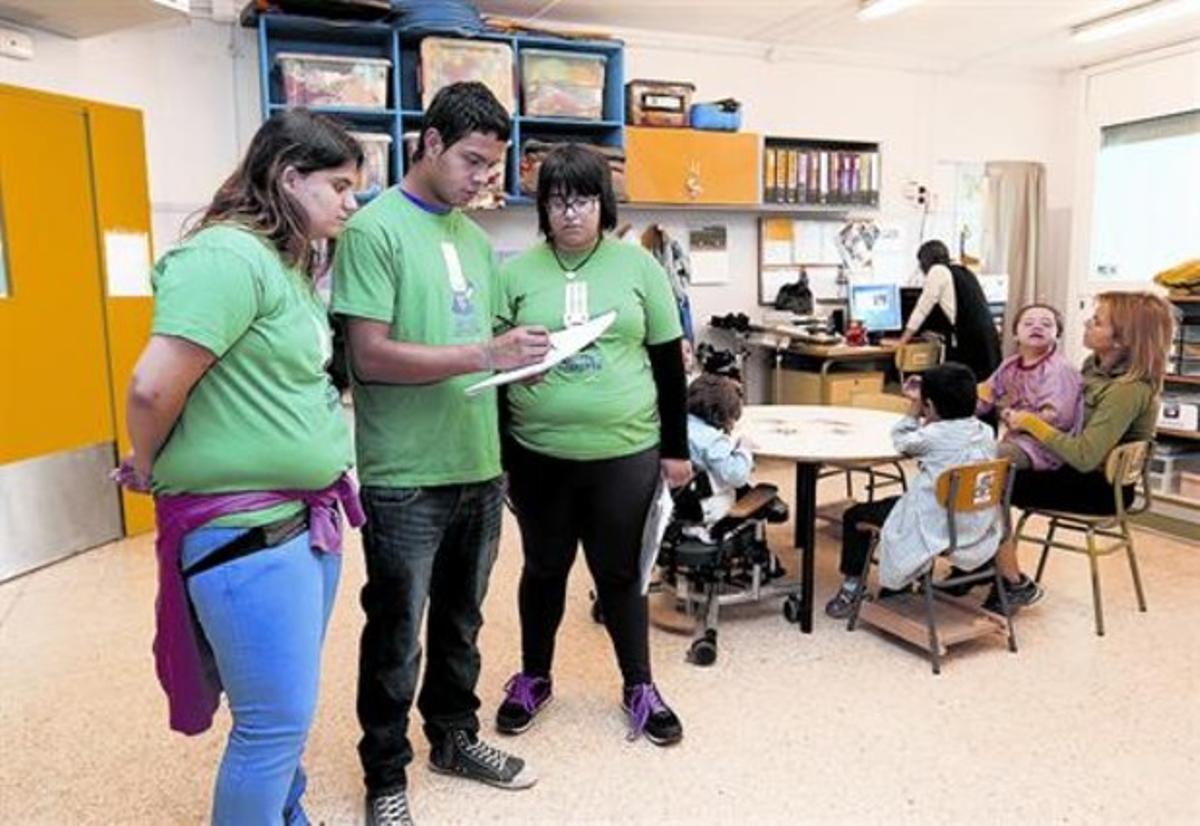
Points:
point(770, 190)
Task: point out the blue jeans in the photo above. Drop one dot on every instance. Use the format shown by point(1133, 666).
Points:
point(435, 546)
point(264, 616)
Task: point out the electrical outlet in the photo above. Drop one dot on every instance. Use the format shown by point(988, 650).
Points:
point(16, 44)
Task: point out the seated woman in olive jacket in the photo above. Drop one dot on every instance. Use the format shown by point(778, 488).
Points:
point(1129, 335)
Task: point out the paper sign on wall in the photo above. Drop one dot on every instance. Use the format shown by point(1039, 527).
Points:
point(709, 254)
point(127, 263)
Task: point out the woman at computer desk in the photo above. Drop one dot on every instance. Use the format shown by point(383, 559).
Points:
point(952, 304)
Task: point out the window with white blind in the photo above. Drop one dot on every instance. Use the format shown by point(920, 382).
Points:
point(1147, 198)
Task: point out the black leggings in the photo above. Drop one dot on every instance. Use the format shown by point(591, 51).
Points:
point(1066, 489)
point(603, 503)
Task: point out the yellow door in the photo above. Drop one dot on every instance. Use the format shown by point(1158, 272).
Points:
point(56, 413)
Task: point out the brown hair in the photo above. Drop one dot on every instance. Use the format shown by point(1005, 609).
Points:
point(1058, 319)
point(254, 197)
point(715, 399)
point(1144, 325)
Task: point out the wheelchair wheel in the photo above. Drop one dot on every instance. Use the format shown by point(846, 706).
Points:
point(704, 651)
point(791, 608)
point(597, 613)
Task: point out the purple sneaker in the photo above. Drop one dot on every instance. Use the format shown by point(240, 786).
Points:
point(649, 715)
point(524, 697)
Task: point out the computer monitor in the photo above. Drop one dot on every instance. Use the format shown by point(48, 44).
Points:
point(877, 306)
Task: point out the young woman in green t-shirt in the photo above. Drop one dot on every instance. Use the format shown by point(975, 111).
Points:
point(1129, 335)
point(237, 430)
point(588, 443)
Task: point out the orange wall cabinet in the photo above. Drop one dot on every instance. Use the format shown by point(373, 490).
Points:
point(689, 166)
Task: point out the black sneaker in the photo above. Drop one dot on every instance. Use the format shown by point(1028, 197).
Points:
point(389, 809)
point(649, 715)
point(524, 697)
point(841, 604)
point(960, 589)
point(1024, 592)
point(463, 754)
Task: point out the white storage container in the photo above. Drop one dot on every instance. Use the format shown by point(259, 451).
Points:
point(334, 80)
point(377, 148)
point(562, 84)
point(1179, 414)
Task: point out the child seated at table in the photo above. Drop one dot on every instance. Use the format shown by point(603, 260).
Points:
point(940, 431)
point(1037, 379)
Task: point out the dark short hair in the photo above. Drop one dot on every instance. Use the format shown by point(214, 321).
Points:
point(461, 109)
point(932, 253)
point(950, 388)
point(574, 169)
point(1058, 319)
point(715, 399)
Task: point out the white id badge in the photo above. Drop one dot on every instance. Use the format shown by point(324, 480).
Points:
point(575, 303)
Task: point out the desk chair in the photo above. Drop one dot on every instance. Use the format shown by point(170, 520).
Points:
point(1125, 467)
point(964, 489)
point(882, 474)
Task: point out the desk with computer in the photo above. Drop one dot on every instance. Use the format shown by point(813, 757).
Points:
point(831, 361)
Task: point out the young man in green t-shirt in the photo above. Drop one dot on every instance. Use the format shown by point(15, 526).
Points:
point(415, 281)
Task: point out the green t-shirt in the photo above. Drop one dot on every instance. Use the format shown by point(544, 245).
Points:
point(600, 403)
point(431, 277)
point(265, 416)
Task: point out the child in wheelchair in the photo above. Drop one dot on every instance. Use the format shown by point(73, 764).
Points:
point(724, 466)
point(940, 431)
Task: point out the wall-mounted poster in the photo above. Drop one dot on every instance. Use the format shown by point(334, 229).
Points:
point(709, 254)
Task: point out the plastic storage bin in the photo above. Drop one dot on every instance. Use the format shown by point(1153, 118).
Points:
point(563, 84)
point(446, 60)
point(718, 117)
point(658, 102)
point(334, 80)
point(377, 147)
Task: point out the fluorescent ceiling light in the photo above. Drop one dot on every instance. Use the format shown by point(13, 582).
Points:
point(874, 9)
point(1138, 17)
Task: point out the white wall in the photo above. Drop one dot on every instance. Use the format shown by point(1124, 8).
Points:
point(196, 84)
point(1151, 85)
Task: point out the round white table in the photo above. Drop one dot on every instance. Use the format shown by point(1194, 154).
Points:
point(811, 435)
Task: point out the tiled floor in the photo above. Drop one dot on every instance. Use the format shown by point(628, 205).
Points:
point(832, 727)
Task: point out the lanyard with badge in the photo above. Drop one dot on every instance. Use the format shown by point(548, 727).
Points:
point(575, 293)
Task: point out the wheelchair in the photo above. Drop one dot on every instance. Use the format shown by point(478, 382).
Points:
point(707, 564)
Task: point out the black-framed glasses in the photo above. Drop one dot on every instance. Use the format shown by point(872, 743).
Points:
point(577, 204)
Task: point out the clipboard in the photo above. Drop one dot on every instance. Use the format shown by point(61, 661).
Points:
point(563, 344)
point(662, 508)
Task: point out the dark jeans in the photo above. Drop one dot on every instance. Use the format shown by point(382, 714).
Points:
point(603, 504)
point(856, 544)
point(432, 545)
point(1066, 489)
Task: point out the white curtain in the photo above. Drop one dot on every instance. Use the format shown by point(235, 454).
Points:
point(1014, 231)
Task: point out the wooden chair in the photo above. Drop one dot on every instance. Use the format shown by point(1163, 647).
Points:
point(914, 617)
point(1126, 466)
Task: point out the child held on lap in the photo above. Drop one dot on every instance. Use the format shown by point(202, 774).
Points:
point(940, 431)
point(1037, 379)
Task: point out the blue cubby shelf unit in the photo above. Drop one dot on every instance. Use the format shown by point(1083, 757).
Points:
point(285, 33)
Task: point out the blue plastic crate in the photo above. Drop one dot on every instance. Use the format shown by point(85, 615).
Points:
point(715, 116)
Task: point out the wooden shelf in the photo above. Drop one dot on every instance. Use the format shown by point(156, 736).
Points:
point(1184, 299)
point(1177, 379)
point(1178, 434)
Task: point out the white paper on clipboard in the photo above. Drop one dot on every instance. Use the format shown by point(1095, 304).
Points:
point(563, 345)
point(662, 508)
